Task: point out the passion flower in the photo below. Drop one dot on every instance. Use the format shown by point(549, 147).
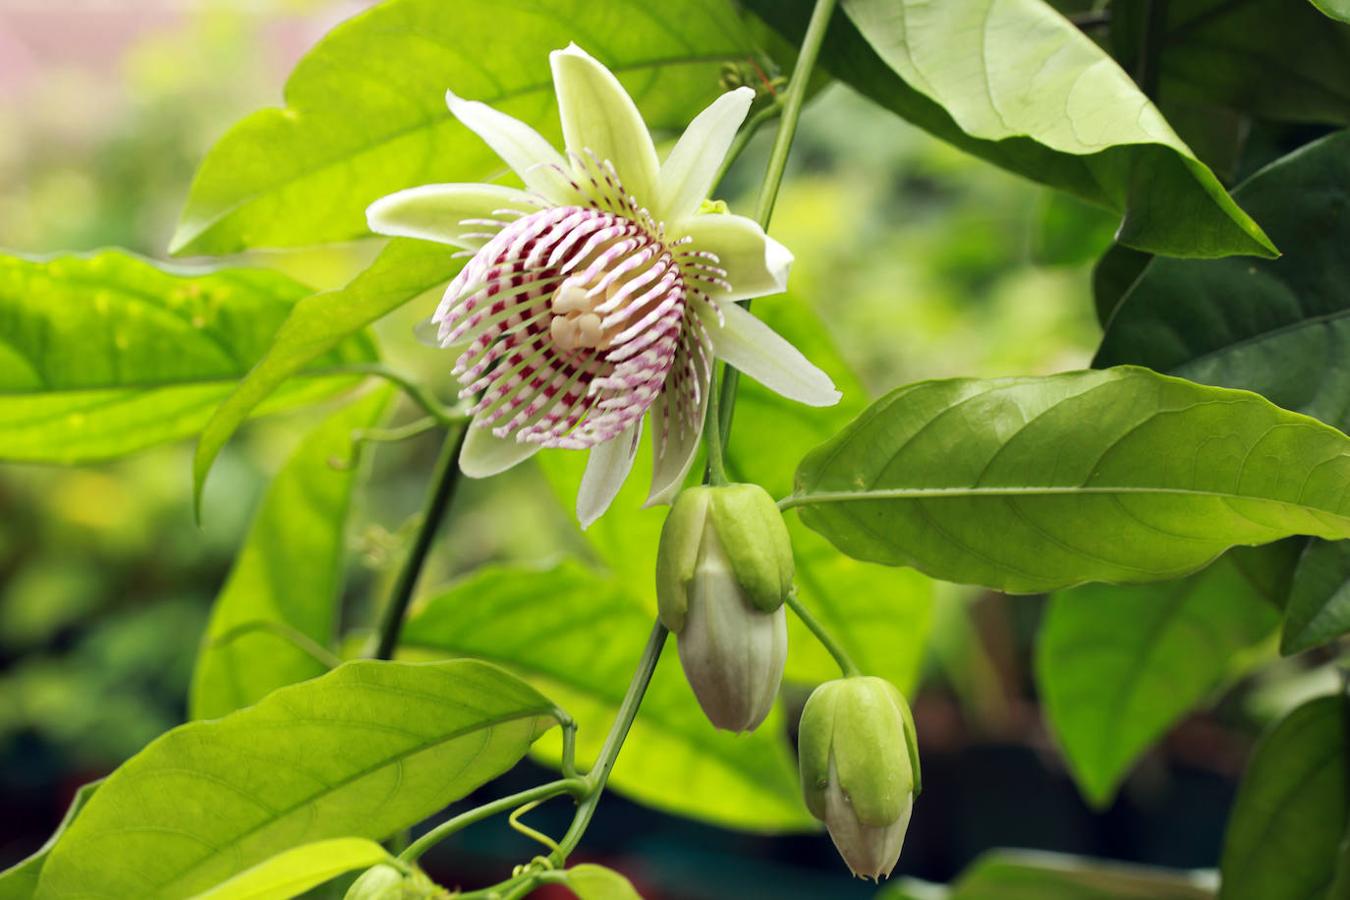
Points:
point(602, 293)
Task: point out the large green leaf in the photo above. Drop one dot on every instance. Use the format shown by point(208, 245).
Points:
point(578, 636)
point(1015, 84)
point(294, 871)
point(1032, 875)
point(1291, 809)
point(364, 751)
point(106, 354)
point(1116, 666)
point(20, 881)
point(1318, 608)
point(365, 110)
point(1279, 327)
point(1034, 484)
point(1273, 59)
point(287, 578)
point(405, 270)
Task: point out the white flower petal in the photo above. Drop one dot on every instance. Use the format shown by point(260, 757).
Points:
point(760, 352)
point(598, 115)
point(433, 212)
point(534, 159)
point(673, 456)
point(688, 172)
point(756, 264)
point(606, 470)
point(484, 454)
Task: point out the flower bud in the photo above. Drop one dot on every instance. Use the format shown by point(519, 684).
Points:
point(860, 769)
point(724, 570)
point(384, 882)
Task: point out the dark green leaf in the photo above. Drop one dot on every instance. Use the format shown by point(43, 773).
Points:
point(365, 110)
point(974, 74)
point(1029, 875)
point(294, 871)
point(1116, 666)
point(1274, 59)
point(1280, 327)
point(405, 270)
point(364, 751)
point(1291, 809)
point(106, 354)
point(287, 577)
point(543, 625)
point(1318, 608)
point(1112, 278)
point(20, 881)
point(1033, 484)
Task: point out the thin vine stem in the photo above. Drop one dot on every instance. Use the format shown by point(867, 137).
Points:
point(793, 99)
point(298, 639)
point(826, 639)
point(618, 732)
point(444, 481)
point(430, 404)
point(744, 136)
point(574, 786)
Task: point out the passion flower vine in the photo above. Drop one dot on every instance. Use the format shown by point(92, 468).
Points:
point(602, 293)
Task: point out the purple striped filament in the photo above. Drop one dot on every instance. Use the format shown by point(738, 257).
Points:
point(577, 318)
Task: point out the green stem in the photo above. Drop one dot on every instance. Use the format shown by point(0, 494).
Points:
point(742, 139)
point(416, 392)
point(826, 639)
point(574, 786)
point(301, 641)
point(716, 472)
point(793, 99)
point(444, 481)
point(1150, 47)
point(599, 775)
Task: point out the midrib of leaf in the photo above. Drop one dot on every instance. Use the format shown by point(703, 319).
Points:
point(1272, 334)
point(137, 388)
point(426, 124)
point(396, 759)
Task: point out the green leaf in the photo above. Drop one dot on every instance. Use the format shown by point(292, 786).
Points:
point(1116, 666)
point(20, 881)
point(1336, 9)
point(578, 636)
point(1318, 608)
point(1291, 808)
point(106, 354)
point(365, 109)
point(287, 578)
point(1280, 327)
point(1033, 875)
point(403, 271)
point(294, 871)
point(1112, 276)
point(363, 751)
point(591, 882)
point(1035, 484)
point(974, 73)
point(1272, 59)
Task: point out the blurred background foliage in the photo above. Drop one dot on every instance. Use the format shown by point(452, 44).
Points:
point(922, 262)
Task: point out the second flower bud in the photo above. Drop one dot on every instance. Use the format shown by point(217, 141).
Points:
point(724, 569)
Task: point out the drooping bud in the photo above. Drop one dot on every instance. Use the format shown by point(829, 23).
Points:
point(724, 570)
point(384, 882)
point(860, 769)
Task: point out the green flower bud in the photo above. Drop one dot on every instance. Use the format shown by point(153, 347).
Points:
point(724, 570)
point(860, 769)
point(384, 882)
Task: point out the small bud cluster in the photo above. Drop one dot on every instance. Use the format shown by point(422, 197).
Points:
point(723, 574)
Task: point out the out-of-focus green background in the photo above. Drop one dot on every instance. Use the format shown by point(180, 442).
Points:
point(921, 261)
